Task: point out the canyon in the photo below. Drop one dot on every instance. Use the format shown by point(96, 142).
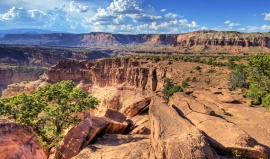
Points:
point(207, 120)
point(25, 63)
point(221, 41)
point(126, 74)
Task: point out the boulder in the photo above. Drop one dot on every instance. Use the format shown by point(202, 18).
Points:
point(173, 136)
point(79, 137)
point(221, 134)
point(19, 142)
point(85, 132)
point(117, 122)
point(141, 125)
point(114, 146)
point(137, 107)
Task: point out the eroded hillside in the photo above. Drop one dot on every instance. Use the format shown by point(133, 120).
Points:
point(207, 120)
point(194, 42)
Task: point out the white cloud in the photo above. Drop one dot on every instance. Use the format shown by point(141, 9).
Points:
point(227, 22)
point(172, 16)
point(267, 16)
point(163, 10)
point(265, 27)
point(78, 7)
point(231, 24)
point(234, 24)
point(241, 29)
point(204, 28)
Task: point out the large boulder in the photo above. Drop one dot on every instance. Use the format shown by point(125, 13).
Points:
point(137, 107)
point(221, 134)
point(85, 132)
point(19, 142)
point(140, 124)
point(114, 146)
point(79, 137)
point(117, 122)
point(173, 136)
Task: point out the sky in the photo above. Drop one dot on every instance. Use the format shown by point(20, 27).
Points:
point(136, 16)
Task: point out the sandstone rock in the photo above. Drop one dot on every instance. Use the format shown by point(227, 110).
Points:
point(226, 98)
point(222, 135)
point(137, 107)
point(19, 142)
point(117, 147)
point(79, 137)
point(173, 136)
point(117, 122)
point(188, 105)
point(141, 125)
point(115, 115)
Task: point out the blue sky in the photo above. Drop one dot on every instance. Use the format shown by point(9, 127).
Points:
point(136, 16)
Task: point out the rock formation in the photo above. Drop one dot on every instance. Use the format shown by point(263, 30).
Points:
point(19, 142)
point(208, 122)
point(105, 40)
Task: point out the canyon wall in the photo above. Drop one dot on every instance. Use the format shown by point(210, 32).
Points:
point(104, 40)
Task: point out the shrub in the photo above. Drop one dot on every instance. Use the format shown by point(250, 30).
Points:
point(198, 68)
point(238, 78)
point(185, 82)
point(258, 72)
point(194, 79)
point(169, 88)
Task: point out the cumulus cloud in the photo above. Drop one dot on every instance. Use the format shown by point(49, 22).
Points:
point(55, 19)
point(17, 15)
point(267, 16)
point(265, 27)
point(227, 22)
point(172, 16)
point(231, 24)
point(137, 18)
point(78, 7)
point(163, 10)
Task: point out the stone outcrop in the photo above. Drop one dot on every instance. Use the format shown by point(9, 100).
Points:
point(88, 130)
point(79, 137)
point(114, 146)
point(217, 128)
point(137, 107)
point(19, 142)
point(173, 136)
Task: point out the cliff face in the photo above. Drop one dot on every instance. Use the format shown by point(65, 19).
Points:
point(223, 39)
point(107, 72)
point(113, 40)
point(9, 76)
point(28, 63)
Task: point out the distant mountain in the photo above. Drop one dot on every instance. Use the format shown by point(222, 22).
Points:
point(27, 31)
point(199, 41)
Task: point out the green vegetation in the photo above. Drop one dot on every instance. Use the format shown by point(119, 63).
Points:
point(238, 78)
point(169, 88)
point(185, 82)
point(49, 110)
point(258, 71)
point(255, 76)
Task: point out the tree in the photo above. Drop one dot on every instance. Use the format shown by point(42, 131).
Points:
point(49, 110)
point(238, 77)
point(259, 77)
point(169, 88)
